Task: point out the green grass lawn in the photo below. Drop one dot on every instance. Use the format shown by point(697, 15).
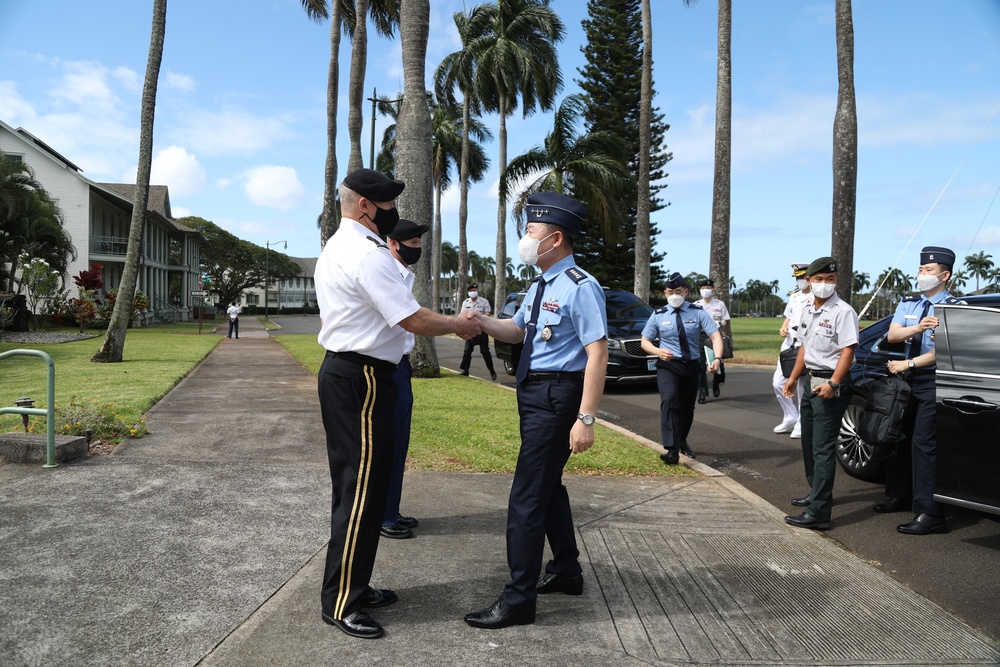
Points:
point(756, 339)
point(451, 433)
point(156, 358)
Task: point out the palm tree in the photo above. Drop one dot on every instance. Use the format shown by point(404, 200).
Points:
point(979, 266)
point(513, 43)
point(718, 264)
point(958, 281)
point(113, 347)
point(591, 167)
point(643, 242)
point(845, 148)
point(860, 282)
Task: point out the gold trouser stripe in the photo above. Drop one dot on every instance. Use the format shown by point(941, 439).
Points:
point(360, 495)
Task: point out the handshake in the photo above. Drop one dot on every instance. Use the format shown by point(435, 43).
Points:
point(468, 324)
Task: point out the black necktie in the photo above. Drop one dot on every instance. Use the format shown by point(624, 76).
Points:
point(524, 363)
point(918, 338)
point(681, 334)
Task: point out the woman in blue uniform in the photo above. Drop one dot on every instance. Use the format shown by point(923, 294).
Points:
point(673, 334)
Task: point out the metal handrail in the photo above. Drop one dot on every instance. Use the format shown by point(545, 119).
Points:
point(50, 410)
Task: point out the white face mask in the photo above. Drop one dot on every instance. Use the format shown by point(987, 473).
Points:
point(675, 300)
point(802, 283)
point(707, 293)
point(473, 295)
point(927, 281)
point(527, 249)
point(823, 290)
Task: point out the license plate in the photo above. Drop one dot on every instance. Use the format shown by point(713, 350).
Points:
point(651, 364)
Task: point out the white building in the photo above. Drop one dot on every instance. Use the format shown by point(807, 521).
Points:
point(298, 292)
point(97, 218)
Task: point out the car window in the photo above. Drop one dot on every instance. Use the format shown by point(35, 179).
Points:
point(626, 306)
point(510, 307)
point(971, 343)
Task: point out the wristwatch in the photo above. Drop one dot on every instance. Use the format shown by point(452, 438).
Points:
point(588, 420)
point(910, 364)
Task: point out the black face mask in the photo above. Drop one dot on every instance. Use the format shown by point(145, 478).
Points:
point(409, 255)
point(385, 220)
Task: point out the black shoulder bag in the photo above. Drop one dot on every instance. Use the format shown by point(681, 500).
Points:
point(884, 416)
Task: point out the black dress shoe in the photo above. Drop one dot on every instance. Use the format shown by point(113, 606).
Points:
point(396, 532)
point(377, 597)
point(923, 524)
point(801, 502)
point(553, 583)
point(807, 520)
point(702, 398)
point(358, 624)
point(686, 451)
point(499, 615)
point(670, 457)
point(493, 376)
point(406, 521)
point(465, 373)
point(893, 504)
point(715, 391)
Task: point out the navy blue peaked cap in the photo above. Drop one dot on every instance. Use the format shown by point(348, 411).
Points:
point(936, 254)
point(555, 209)
point(675, 280)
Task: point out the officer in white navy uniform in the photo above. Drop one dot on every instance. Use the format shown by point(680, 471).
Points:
point(797, 300)
point(560, 381)
point(366, 310)
point(673, 334)
point(909, 480)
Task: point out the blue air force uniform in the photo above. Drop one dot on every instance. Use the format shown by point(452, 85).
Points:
point(677, 379)
point(910, 473)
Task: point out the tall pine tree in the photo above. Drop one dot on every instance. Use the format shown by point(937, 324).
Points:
point(611, 80)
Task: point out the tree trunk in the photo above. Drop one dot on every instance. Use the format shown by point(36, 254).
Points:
point(845, 152)
point(331, 215)
point(500, 289)
point(435, 252)
point(463, 205)
point(718, 266)
point(113, 347)
point(643, 244)
point(359, 57)
point(414, 157)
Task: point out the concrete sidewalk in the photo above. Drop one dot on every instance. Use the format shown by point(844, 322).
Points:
point(203, 544)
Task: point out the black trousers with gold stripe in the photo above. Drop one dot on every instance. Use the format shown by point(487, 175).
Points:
point(357, 401)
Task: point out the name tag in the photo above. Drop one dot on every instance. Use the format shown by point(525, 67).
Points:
point(910, 317)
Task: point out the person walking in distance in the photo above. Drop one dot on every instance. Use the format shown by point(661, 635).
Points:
point(910, 473)
point(366, 310)
point(560, 381)
point(234, 312)
point(829, 331)
point(800, 298)
point(720, 315)
point(480, 305)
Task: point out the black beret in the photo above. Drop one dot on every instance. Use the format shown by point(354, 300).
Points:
point(707, 282)
point(675, 280)
point(373, 185)
point(936, 254)
point(407, 229)
point(473, 286)
point(822, 265)
point(555, 209)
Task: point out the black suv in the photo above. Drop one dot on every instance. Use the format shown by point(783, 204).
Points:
point(859, 458)
point(627, 315)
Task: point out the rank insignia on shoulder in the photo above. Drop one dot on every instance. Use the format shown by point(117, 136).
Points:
point(952, 301)
point(694, 305)
point(912, 297)
point(576, 275)
point(376, 242)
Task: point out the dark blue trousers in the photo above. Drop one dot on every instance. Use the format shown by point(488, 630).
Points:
point(539, 503)
point(911, 471)
point(357, 402)
point(404, 414)
point(678, 385)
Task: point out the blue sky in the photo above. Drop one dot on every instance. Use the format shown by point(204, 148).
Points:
point(241, 121)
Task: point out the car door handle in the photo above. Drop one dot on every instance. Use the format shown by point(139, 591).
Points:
point(969, 405)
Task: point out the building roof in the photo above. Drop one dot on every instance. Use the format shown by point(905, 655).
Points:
point(307, 264)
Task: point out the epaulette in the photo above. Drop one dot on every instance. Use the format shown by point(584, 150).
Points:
point(661, 310)
point(951, 301)
point(576, 275)
point(376, 242)
point(912, 297)
point(694, 305)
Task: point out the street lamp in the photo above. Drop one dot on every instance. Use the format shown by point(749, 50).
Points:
point(267, 276)
point(373, 99)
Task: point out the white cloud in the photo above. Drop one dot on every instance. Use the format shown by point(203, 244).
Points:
point(87, 85)
point(175, 167)
point(180, 82)
point(230, 132)
point(128, 78)
point(14, 109)
point(273, 187)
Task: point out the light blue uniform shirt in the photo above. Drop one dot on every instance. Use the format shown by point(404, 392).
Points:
point(908, 313)
point(662, 325)
point(573, 311)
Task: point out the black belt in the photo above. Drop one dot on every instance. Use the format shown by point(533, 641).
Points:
point(554, 376)
point(820, 374)
point(363, 360)
point(921, 371)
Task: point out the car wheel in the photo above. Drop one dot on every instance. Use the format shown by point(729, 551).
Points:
point(856, 456)
point(509, 367)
